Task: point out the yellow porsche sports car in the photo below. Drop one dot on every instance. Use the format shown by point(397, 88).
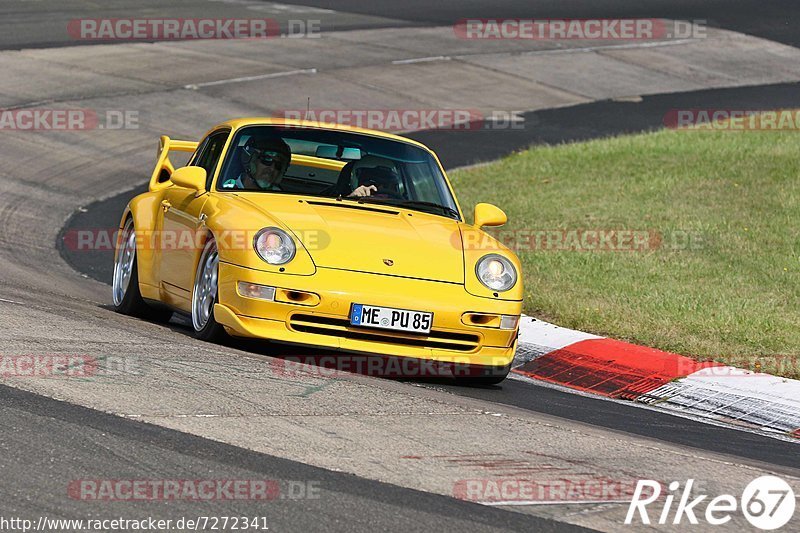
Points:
point(321, 235)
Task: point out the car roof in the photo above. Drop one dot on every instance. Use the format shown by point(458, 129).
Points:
point(237, 123)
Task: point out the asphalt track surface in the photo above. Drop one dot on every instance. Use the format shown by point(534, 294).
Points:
point(25, 24)
point(110, 447)
point(54, 440)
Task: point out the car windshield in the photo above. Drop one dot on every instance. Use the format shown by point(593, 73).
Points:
point(336, 164)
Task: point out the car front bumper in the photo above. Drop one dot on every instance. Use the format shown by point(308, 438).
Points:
point(322, 320)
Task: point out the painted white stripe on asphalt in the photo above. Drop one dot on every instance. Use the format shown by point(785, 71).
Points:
point(600, 48)
point(420, 60)
point(732, 394)
point(275, 7)
point(195, 86)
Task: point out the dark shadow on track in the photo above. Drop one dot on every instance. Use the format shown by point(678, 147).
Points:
point(771, 19)
point(594, 120)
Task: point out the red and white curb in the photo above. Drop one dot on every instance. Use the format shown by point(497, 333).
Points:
point(616, 369)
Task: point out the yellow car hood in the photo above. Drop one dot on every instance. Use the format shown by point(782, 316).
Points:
point(369, 238)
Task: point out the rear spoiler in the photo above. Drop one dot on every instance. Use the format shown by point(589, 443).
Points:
point(164, 168)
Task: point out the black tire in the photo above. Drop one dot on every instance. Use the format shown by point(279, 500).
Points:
point(131, 302)
point(210, 330)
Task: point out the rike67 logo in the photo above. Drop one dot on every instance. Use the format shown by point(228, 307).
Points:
point(767, 502)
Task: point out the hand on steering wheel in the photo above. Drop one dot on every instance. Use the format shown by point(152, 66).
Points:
point(364, 190)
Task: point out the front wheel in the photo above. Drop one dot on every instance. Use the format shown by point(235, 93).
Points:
point(205, 295)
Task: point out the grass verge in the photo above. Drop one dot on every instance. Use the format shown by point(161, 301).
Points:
point(719, 277)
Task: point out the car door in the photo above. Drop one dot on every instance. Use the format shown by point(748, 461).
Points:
point(182, 221)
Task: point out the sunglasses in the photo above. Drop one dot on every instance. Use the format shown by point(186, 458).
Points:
point(270, 158)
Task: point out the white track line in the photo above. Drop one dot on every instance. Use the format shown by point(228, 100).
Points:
point(195, 86)
point(600, 48)
point(420, 60)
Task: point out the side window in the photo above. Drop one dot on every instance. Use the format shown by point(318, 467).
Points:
point(196, 154)
point(209, 156)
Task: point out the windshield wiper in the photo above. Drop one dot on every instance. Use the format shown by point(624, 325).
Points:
point(417, 203)
point(447, 211)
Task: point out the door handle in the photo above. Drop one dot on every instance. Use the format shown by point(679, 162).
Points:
point(165, 205)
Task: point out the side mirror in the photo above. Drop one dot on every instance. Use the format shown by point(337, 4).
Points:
point(489, 215)
point(190, 177)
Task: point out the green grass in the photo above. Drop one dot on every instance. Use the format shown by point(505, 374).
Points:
point(734, 296)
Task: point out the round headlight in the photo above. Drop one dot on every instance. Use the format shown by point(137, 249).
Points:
point(496, 272)
point(274, 246)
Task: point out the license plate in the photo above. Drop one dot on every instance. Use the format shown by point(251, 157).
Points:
point(390, 318)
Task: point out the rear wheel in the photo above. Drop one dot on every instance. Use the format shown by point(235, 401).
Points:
point(125, 284)
point(204, 295)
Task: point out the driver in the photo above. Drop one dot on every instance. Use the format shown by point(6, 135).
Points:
point(265, 160)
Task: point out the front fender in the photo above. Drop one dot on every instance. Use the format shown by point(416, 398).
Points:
point(234, 225)
point(476, 244)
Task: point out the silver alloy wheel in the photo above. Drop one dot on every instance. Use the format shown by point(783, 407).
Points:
point(204, 295)
point(124, 262)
